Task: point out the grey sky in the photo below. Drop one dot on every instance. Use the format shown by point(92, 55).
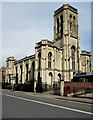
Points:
point(24, 24)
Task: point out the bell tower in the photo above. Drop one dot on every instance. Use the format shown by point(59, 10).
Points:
point(66, 37)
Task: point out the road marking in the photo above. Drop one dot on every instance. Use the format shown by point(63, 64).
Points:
point(52, 105)
point(78, 102)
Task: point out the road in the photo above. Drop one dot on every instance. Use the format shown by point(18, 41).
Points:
point(17, 105)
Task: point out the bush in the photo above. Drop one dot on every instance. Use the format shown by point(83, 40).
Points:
point(39, 88)
point(9, 87)
point(88, 90)
point(19, 87)
point(28, 87)
point(6, 85)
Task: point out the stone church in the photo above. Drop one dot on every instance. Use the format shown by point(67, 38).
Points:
point(55, 60)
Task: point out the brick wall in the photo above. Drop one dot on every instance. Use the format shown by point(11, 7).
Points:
point(76, 87)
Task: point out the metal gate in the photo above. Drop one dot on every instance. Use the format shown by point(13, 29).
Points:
point(56, 88)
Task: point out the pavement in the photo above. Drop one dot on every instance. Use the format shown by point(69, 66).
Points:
point(85, 98)
point(88, 95)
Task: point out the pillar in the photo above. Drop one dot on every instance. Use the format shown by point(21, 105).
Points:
point(62, 87)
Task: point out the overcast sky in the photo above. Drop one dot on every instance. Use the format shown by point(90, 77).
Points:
point(24, 24)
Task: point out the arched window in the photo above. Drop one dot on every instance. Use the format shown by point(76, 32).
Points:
point(39, 61)
point(70, 17)
point(73, 57)
point(57, 25)
point(26, 72)
point(74, 18)
point(74, 24)
point(33, 69)
point(21, 67)
point(61, 17)
point(49, 59)
point(16, 75)
point(70, 26)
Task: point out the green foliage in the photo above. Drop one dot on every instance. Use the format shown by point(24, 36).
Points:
point(28, 87)
point(39, 88)
point(6, 85)
point(19, 87)
point(88, 90)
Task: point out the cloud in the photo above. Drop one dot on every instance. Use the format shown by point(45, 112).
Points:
point(22, 43)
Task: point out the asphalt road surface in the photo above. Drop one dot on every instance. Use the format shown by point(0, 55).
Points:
point(17, 105)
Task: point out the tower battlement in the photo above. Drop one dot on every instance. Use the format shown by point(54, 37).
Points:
point(64, 7)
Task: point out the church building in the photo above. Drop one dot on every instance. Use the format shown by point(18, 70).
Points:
point(55, 60)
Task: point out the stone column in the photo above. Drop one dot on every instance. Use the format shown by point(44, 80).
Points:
point(54, 63)
point(46, 63)
point(69, 59)
point(62, 87)
point(18, 73)
point(29, 67)
point(36, 69)
point(42, 64)
point(24, 71)
point(35, 86)
point(23, 75)
point(14, 74)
